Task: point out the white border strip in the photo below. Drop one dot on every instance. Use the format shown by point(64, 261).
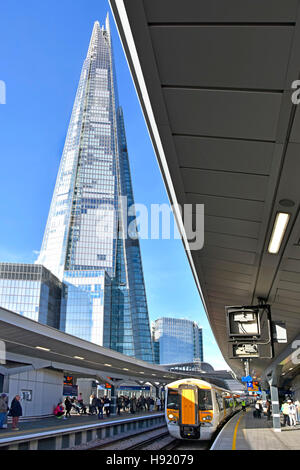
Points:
point(223, 429)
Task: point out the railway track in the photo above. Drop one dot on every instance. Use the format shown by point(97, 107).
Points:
point(136, 441)
point(156, 443)
point(156, 439)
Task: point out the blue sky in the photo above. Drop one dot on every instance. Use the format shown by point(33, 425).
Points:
point(42, 48)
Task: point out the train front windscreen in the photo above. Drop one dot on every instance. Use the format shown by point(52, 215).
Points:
point(173, 399)
point(204, 399)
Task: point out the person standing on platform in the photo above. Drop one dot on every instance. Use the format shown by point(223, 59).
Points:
point(80, 400)
point(100, 404)
point(126, 403)
point(143, 403)
point(292, 413)
point(285, 411)
point(147, 403)
point(133, 405)
point(107, 406)
point(268, 405)
point(93, 405)
point(68, 406)
point(119, 405)
point(151, 403)
point(15, 412)
point(158, 403)
point(258, 409)
point(3, 409)
point(91, 410)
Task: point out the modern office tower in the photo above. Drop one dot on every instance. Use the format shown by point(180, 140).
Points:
point(85, 242)
point(177, 340)
point(32, 291)
point(156, 351)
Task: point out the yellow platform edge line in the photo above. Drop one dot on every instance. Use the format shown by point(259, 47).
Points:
point(235, 432)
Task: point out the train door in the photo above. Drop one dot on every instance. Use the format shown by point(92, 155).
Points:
point(188, 411)
point(221, 405)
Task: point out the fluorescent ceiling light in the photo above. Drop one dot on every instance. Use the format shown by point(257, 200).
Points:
point(78, 357)
point(124, 368)
point(42, 349)
point(280, 225)
point(108, 365)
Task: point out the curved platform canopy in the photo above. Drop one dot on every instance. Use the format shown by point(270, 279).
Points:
point(214, 80)
point(28, 342)
point(28, 345)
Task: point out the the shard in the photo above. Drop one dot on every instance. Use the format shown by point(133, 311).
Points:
point(86, 242)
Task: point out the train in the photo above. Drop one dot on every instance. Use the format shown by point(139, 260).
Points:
point(195, 409)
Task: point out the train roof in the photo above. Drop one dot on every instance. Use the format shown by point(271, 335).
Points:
point(201, 383)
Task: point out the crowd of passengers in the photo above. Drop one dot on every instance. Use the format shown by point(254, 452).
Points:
point(102, 406)
point(97, 406)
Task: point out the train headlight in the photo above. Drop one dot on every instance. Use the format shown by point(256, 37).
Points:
point(172, 418)
point(207, 418)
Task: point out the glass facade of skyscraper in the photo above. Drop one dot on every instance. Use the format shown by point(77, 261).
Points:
point(81, 229)
point(32, 291)
point(177, 340)
point(85, 242)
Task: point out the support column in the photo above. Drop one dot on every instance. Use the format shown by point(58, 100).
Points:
point(58, 442)
point(113, 406)
point(33, 445)
point(6, 390)
point(72, 440)
point(6, 383)
point(273, 380)
point(275, 407)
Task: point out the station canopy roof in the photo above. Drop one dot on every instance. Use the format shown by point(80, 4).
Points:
point(29, 342)
point(27, 338)
point(214, 80)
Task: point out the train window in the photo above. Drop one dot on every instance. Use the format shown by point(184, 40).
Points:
point(173, 399)
point(228, 402)
point(220, 401)
point(204, 400)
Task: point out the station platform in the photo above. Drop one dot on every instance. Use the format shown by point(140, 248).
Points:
point(244, 432)
point(37, 426)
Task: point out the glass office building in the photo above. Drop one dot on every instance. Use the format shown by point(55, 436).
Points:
point(177, 341)
point(32, 291)
point(85, 242)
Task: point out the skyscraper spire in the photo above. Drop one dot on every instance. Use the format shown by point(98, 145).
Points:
point(107, 24)
point(84, 243)
point(94, 38)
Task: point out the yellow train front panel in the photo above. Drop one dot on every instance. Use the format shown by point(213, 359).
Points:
point(188, 400)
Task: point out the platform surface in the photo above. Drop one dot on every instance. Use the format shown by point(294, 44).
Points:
point(244, 432)
point(27, 428)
